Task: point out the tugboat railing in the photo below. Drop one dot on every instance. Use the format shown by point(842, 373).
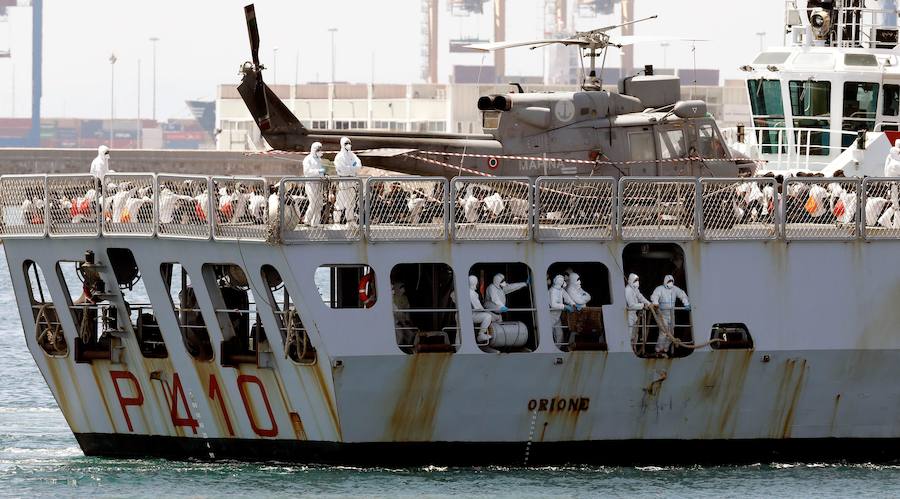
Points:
point(545, 209)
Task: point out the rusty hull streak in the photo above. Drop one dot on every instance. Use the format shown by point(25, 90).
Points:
point(419, 396)
point(721, 388)
point(576, 380)
point(59, 391)
point(792, 377)
point(834, 414)
point(204, 369)
point(325, 390)
point(656, 371)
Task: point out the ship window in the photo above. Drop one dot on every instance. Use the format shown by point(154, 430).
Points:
point(814, 60)
point(811, 107)
point(235, 306)
point(860, 103)
point(730, 336)
point(772, 58)
point(187, 311)
point(346, 285)
point(864, 60)
point(672, 144)
point(664, 331)
point(585, 289)
point(641, 146)
point(424, 311)
point(891, 100)
point(48, 328)
point(294, 336)
point(95, 319)
point(506, 322)
point(767, 108)
point(143, 320)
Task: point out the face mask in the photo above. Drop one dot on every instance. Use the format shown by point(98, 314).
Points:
point(347, 147)
point(503, 284)
point(319, 154)
point(636, 284)
point(669, 285)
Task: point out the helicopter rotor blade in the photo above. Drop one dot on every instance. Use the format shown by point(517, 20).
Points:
point(629, 23)
point(493, 46)
point(259, 90)
point(253, 31)
point(636, 39)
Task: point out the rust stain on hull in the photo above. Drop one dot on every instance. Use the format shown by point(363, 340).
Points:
point(419, 398)
point(792, 376)
point(722, 386)
point(325, 390)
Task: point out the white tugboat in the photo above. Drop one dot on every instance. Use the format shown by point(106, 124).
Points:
point(476, 319)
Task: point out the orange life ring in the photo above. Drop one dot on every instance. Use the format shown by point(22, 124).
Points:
point(367, 289)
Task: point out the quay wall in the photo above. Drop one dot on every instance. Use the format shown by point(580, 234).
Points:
point(25, 161)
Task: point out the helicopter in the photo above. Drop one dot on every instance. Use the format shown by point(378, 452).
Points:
point(643, 130)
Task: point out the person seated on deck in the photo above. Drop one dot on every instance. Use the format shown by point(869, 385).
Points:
point(496, 293)
point(480, 316)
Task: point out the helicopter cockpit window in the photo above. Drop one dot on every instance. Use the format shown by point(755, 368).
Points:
point(672, 144)
point(641, 146)
point(490, 120)
point(811, 107)
point(860, 103)
point(709, 144)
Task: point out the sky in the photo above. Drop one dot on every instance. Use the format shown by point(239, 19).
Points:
point(202, 44)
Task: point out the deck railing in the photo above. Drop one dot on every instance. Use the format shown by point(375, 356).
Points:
point(308, 210)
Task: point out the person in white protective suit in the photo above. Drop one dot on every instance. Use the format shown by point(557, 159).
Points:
point(495, 294)
point(480, 316)
point(100, 165)
point(169, 201)
point(313, 168)
point(664, 296)
point(347, 164)
point(634, 301)
point(891, 216)
point(559, 301)
point(579, 296)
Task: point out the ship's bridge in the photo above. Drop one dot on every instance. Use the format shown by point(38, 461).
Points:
point(811, 98)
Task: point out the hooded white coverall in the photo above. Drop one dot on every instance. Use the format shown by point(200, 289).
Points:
point(347, 164)
point(313, 168)
point(665, 296)
point(891, 216)
point(634, 301)
point(480, 316)
point(496, 292)
point(576, 292)
point(100, 165)
point(559, 301)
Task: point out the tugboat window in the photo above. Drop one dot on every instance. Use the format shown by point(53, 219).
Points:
point(502, 304)
point(811, 107)
point(860, 104)
point(656, 300)
point(425, 317)
point(767, 108)
point(578, 291)
point(48, 328)
point(891, 100)
point(346, 285)
point(187, 311)
point(294, 335)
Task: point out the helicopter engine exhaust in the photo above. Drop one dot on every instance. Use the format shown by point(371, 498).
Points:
point(494, 103)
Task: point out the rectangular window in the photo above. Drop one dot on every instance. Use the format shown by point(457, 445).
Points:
point(641, 146)
point(811, 107)
point(233, 299)
point(346, 285)
point(502, 302)
point(767, 108)
point(187, 311)
point(143, 319)
point(294, 336)
point(891, 100)
point(578, 291)
point(424, 312)
point(672, 144)
point(860, 104)
point(709, 145)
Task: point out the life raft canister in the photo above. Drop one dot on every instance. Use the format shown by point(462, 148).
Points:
point(367, 289)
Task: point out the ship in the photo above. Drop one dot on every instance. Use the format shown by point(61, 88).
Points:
point(220, 317)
